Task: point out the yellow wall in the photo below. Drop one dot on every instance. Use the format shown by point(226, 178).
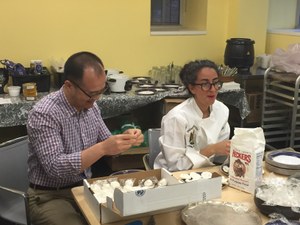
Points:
point(249, 19)
point(119, 32)
point(275, 41)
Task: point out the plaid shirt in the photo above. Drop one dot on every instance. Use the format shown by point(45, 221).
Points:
point(57, 135)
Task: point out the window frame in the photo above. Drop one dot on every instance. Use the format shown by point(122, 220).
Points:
point(186, 26)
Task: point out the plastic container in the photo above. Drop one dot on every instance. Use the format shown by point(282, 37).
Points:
point(29, 91)
point(14, 91)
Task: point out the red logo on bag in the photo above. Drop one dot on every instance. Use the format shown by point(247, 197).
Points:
point(245, 157)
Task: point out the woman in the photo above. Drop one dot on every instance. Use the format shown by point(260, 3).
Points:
point(197, 129)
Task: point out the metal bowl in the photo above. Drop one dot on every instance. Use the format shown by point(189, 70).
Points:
point(271, 156)
point(280, 170)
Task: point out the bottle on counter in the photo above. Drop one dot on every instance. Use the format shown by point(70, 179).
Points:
point(3, 81)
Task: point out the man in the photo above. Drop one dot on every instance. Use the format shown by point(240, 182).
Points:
point(66, 136)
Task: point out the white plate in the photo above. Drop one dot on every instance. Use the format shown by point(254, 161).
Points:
point(224, 169)
point(146, 92)
point(171, 85)
point(160, 89)
point(146, 85)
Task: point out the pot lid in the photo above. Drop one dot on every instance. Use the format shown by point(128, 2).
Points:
point(240, 41)
point(117, 76)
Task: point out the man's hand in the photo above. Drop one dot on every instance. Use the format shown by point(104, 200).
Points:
point(139, 137)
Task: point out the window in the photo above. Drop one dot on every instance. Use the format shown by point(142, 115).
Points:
point(177, 17)
point(284, 16)
point(165, 12)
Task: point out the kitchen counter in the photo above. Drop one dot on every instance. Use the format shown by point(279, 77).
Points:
point(115, 104)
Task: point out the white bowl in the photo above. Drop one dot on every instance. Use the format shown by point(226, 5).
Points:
point(14, 91)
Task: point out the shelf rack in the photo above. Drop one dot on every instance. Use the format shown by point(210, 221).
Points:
point(281, 109)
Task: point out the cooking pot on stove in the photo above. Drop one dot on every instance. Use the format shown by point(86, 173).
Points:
point(119, 83)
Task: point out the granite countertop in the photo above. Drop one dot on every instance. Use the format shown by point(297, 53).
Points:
point(114, 104)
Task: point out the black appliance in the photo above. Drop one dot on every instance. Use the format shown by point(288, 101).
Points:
point(239, 53)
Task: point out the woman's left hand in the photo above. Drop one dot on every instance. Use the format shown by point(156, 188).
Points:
point(222, 148)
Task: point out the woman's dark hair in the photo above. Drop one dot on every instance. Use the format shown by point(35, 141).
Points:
point(78, 62)
point(188, 73)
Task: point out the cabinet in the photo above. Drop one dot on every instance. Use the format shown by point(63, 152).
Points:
point(170, 103)
point(280, 112)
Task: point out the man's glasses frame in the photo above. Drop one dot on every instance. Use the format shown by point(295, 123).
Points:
point(93, 96)
point(207, 85)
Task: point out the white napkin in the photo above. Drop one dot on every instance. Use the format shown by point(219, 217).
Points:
point(231, 86)
point(5, 101)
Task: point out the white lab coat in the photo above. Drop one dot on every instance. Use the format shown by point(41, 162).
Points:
point(184, 132)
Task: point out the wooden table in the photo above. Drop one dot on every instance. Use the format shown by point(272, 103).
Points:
point(228, 195)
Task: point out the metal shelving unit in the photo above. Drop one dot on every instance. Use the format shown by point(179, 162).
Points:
point(281, 109)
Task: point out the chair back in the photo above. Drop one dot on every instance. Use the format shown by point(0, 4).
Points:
point(154, 149)
point(13, 163)
point(14, 181)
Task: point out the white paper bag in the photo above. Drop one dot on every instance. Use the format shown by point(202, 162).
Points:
point(246, 158)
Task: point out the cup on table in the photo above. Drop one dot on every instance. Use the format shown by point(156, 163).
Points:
point(14, 91)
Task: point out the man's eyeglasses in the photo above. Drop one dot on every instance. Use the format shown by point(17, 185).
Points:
point(207, 86)
point(94, 95)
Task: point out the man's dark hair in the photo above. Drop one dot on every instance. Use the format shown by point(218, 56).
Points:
point(78, 62)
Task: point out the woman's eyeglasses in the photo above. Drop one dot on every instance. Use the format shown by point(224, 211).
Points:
point(207, 86)
point(94, 95)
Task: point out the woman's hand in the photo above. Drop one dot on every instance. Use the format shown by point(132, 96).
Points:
point(220, 148)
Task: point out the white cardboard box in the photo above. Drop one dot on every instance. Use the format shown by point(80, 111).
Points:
point(152, 201)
